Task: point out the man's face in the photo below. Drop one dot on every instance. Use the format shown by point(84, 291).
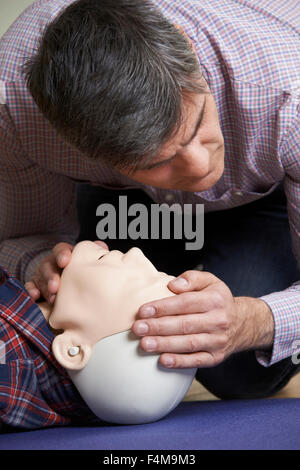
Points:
point(193, 159)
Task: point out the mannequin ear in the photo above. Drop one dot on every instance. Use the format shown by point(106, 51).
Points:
point(69, 354)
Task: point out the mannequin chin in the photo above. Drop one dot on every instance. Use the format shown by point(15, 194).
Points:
point(99, 296)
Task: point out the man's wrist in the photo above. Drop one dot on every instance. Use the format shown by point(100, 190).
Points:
point(257, 324)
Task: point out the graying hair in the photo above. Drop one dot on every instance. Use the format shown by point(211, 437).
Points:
point(111, 77)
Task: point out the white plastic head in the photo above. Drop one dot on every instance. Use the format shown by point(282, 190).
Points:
point(99, 295)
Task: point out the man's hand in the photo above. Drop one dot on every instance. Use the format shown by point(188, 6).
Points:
point(203, 324)
point(45, 281)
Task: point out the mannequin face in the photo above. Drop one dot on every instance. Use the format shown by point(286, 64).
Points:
point(99, 295)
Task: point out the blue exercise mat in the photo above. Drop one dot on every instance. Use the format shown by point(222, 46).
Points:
point(236, 424)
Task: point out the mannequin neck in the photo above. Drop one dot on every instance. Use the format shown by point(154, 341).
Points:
point(46, 310)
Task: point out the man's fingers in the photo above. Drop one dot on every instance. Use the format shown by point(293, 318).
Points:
point(46, 278)
point(181, 361)
point(187, 302)
point(52, 299)
point(53, 283)
point(62, 253)
point(175, 325)
point(32, 290)
point(183, 343)
point(192, 281)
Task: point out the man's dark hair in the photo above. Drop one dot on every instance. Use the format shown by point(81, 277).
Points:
point(110, 77)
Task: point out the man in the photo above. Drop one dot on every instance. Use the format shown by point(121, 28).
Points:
point(192, 102)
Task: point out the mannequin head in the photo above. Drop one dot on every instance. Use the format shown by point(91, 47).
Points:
point(99, 295)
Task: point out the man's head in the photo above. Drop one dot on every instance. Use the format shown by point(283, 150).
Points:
point(122, 84)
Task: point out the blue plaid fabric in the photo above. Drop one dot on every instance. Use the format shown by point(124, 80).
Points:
point(35, 391)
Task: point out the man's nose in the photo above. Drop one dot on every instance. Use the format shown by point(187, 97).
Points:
point(194, 161)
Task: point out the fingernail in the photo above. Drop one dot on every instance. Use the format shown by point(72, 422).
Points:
point(180, 282)
point(142, 328)
point(62, 259)
point(150, 344)
point(34, 293)
point(169, 361)
point(147, 312)
point(52, 282)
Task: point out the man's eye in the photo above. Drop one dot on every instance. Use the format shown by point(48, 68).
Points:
point(160, 164)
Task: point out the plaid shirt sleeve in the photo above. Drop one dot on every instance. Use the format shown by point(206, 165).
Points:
point(35, 391)
point(38, 207)
point(285, 305)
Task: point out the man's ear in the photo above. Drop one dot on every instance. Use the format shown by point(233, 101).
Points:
point(180, 28)
point(68, 353)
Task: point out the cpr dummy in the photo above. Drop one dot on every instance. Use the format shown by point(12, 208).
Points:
point(99, 295)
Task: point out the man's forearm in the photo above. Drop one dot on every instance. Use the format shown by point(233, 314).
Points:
point(257, 328)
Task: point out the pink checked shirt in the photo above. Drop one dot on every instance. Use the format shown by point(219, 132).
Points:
point(249, 53)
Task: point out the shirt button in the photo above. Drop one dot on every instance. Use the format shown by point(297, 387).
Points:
point(238, 193)
point(169, 197)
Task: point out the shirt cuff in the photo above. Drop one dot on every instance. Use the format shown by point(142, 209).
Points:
point(285, 307)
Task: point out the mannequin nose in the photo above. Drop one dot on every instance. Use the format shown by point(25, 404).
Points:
point(135, 252)
point(102, 244)
point(135, 255)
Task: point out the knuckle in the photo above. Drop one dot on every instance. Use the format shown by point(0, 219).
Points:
point(40, 276)
point(46, 260)
point(223, 340)
point(35, 279)
point(218, 357)
point(187, 326)
point(219, 301)
point(162, 308)
point(58, 247)
point(191, 276)
point(44, 291)
point(192, 343)
point(223, 321)
point(212, 279)
point(156, 327)
point(200, 361)
point(189, 273)
point(182, 302)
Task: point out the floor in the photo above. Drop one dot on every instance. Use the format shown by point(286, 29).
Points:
point(198, 392)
